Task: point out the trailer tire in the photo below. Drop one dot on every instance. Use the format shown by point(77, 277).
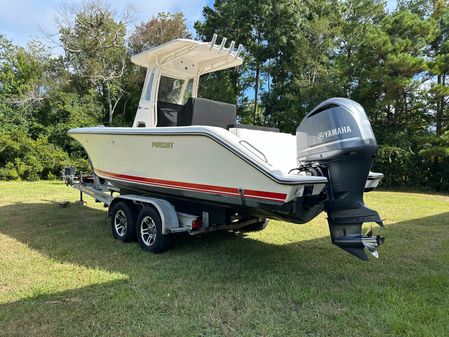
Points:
point(123, 221)
point(149, 231)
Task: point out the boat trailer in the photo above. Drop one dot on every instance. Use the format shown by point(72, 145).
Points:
point(126, 211)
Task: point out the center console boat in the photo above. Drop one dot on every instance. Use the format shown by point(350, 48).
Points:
point(193, 153)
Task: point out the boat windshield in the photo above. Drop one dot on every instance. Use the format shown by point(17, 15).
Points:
point(172, 90)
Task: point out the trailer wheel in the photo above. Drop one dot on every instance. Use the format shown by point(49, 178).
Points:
point(256, 227)
point(149, 231)
point(123, 221)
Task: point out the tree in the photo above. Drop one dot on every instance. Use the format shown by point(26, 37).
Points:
point(22, 72)
point(297, 54)
point(391, 73)
point(246, 23)
point(357, 18)
point(302, 45)
point(439, 68)
point(30, 117)
point(158, 30)
point(95, 50)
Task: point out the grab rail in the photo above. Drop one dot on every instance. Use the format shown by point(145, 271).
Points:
point(257, 151)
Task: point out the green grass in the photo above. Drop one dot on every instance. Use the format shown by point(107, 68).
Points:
point(62, 274)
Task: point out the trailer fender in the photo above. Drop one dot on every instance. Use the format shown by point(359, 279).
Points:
point(165, 209)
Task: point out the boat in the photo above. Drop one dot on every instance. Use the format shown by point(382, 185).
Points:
point(194, 153)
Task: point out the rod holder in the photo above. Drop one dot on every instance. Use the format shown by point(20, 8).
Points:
point(239, 50)
point(231, 47)
point(223, 42)
point(212, 43)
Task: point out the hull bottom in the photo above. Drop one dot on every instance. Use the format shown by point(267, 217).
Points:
point(300, 210)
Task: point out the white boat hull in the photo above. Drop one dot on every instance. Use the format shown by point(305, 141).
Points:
point(196, 162)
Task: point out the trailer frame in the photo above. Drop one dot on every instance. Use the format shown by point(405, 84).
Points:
point(172, 221)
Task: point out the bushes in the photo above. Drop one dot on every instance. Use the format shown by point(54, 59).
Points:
point(395, 163)
point(421, 162)
point(23, 158)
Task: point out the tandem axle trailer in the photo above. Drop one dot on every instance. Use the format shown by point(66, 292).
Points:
point(151, 220)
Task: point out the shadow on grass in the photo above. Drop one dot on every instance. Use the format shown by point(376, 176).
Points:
point(224, 267)
point(81, 235)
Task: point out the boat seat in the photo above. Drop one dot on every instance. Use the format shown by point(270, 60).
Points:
point(202, 111)
point(197, 111)
point(167, 113)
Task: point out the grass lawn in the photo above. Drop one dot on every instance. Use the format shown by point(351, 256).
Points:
point(62, 274)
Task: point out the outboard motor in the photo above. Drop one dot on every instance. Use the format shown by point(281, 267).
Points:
point(336, 140)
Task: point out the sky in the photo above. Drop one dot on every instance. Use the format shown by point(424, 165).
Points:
point(21, 20)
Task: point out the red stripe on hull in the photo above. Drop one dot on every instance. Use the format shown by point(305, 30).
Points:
point(196, 187)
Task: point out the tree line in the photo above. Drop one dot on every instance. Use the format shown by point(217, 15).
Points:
point(297, 54)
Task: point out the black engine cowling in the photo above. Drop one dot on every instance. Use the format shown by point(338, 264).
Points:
point(338, 137)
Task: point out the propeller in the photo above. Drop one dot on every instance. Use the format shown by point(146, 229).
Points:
point(371, 242)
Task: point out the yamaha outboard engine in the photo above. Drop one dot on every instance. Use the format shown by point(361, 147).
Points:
point(336, 140)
